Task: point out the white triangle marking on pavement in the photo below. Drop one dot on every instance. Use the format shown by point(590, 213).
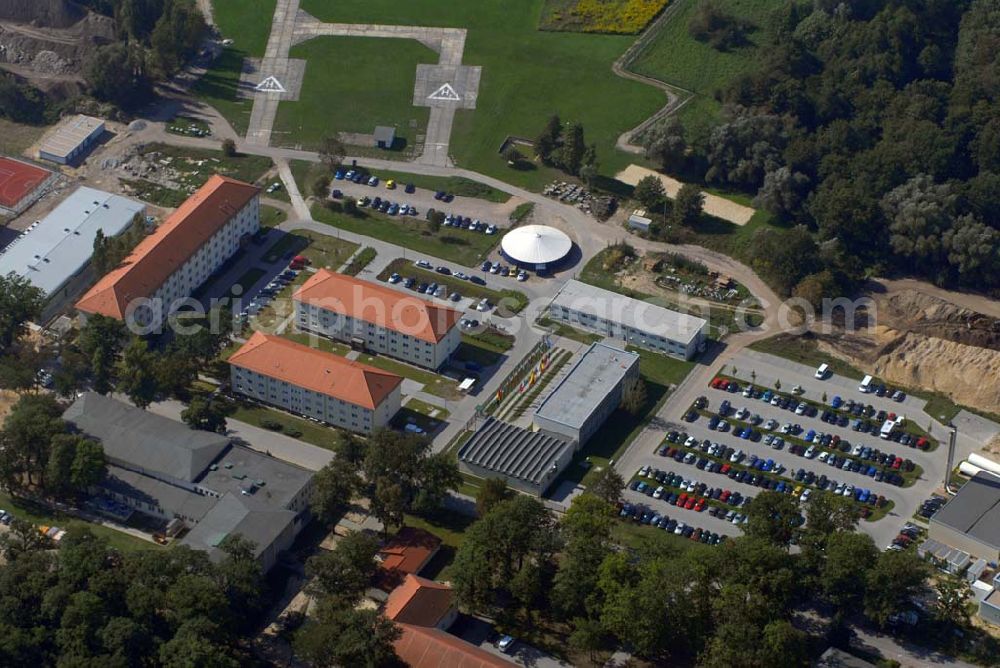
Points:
point(270, 85)
point(445, 92)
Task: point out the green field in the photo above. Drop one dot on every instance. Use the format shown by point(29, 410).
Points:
point(322, 250)
point(40, 515)
point(290, 425)
point(677, 58)
point(460, 246)
point(527, 76)
point(271, 216)
point(352, 84)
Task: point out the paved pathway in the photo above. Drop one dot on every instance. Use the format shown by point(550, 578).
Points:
point(276, 64)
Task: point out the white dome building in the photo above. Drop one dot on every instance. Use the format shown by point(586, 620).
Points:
point(537, 247)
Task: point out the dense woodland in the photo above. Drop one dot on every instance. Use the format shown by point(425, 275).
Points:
point(871, 131)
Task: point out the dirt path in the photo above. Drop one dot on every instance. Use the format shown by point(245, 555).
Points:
point(720, 207)
point(973, 302)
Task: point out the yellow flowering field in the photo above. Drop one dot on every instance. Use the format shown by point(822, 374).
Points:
point(621, 17)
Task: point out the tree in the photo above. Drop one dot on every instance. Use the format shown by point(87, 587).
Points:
point(953, 594)
point(586, 532)
point(688, 206)
point(20, 302)
point(607, 485)
point(515, 535)
point(206, 414)
point(346, 571)
point(334, 486)
point(783, 193)
point(572, 151)
point(649, 191)
point(343, 636)
point(744, 149)
point(777, 384)
point(491, 492)
point(973, 251)
point(26, 439)
point(228, 147)
point(332, 152)
point(321, 187)
point(587, 636)
point(101, 340)
point(665, 143)
point(117, 73)
point(136, 373)
point(920, 212)
point(773, 517)
point(892, 581)
point(548, 140)
point(842, 577)
point(724, 31)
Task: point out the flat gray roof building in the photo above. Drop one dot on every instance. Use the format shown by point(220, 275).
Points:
point(528, 460)
point(970, 521)
point(162, 468)
point(56, 249)
point(585, 397)
point(71, 139)
point(633, 321)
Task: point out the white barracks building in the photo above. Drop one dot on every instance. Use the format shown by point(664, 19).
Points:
point(180, 255)
point(316, 384)
point(373, 317)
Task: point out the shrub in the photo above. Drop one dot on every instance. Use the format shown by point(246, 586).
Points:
point(272, 425)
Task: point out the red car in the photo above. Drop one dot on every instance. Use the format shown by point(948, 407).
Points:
point(725, 469)
point(690, 503)
point(922, 443)
point(696, 536)
point(724, 497)
point(700, 506)
point(897, 462)
point(682, 499)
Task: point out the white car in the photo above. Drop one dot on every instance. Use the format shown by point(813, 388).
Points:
point(483, 306)
point(522, 276)
point(810, 452)
point(658, 493)
point(505, 643)
point(690, 442)
point(771, 424)
point(736, 456)
point(822, 456)
point(849, 490)
point(801, 408)
point(805, 495)
point(742, 413)
point(424, 264)
point(644, 471)
point(748, 391)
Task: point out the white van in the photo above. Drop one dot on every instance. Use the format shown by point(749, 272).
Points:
point(822, 370)
point(887, 428)
point(866, 385)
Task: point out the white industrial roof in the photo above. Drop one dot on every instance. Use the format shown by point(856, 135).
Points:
point(584, 388)
point(55, 249)
point(536, 244)
point(642, 316)
point(70, 134)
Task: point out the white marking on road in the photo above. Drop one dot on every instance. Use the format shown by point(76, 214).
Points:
point(445, 92)
point(270, 85)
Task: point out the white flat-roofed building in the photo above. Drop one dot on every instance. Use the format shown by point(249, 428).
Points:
point(373, 317)
point(588, 394)
point(630, 320)
point(54, 253)
point(71, 139)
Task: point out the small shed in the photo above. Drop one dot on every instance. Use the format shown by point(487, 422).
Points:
point(639, 220)
point(384, 136)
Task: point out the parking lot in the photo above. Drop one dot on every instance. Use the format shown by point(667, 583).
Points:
point(871, 473)
point(487, 213)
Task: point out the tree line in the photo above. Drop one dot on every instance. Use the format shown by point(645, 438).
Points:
point(870, 131)
point(88, 604)
point(729, 605)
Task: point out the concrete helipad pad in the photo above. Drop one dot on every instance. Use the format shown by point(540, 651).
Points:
point(278, 78)
point(446, 86)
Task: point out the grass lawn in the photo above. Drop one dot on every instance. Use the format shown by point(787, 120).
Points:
point(186, 125)
point(352, 84)
point(484, 349)
point(456, 185)
point(15, 138)
point(296, 427)
point(318, 342)
point(305, 173)
point(360, 261)
point(674, 56)
point(450, 528)
point(439, 386)
point(43, 516)
point(661, 369)
point(424, 408)
point(321, 249)
point(271, 216)
point(527, 76)
point(461, 247)
point(248, 24)
point(568, 332)
point(643, 537)
point(516, 300)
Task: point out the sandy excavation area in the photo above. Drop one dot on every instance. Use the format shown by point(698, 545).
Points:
point(720, 207)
